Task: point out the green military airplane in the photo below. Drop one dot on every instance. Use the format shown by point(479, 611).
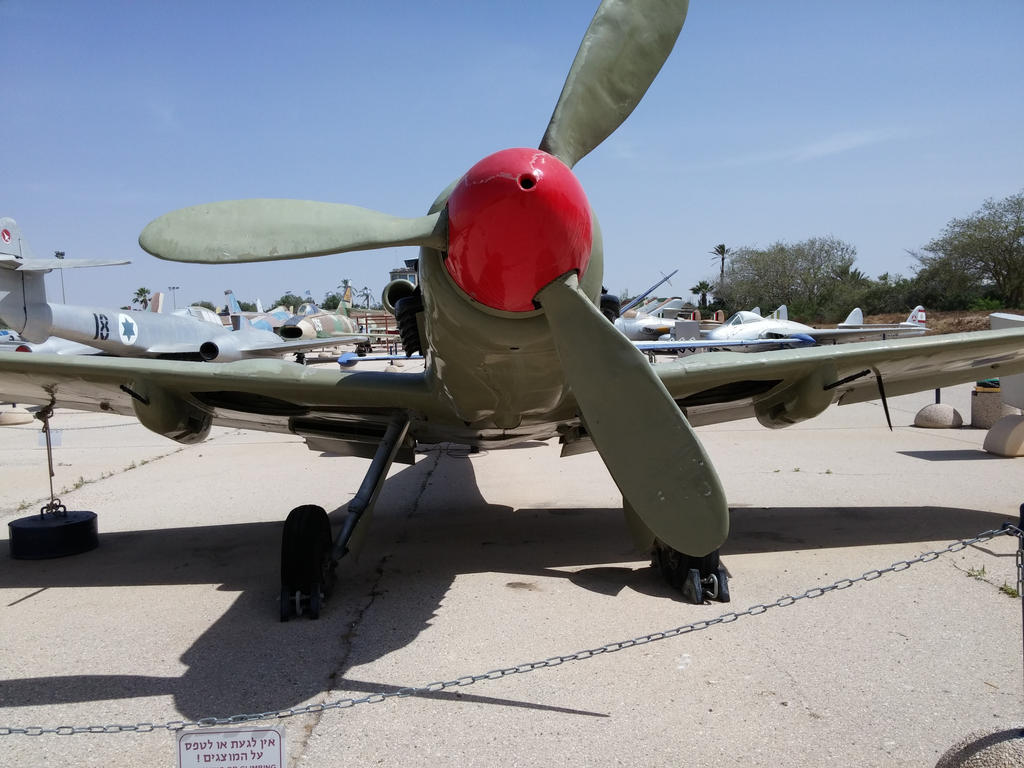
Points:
point(515, 347)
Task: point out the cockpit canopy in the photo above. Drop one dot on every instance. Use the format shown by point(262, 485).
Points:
point(743, 316)
point(200, 313)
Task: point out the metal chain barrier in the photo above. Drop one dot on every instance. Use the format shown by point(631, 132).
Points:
point(553, 661)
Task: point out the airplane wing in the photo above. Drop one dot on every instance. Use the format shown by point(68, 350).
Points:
point(786, 386)
point(52, 346)
point(343, 412)
point(351, 359)
point(48, 265)
point(864, 333)
point(286, 346)
point(683, 345)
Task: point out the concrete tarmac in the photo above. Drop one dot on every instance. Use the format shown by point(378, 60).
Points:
point(484, 561)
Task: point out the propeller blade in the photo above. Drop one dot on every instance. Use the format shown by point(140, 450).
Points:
point(670, 483)
point(268, 230)
point(622, 52)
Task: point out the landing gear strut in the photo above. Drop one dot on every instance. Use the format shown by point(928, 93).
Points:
point(308, 556)
point(698, 578)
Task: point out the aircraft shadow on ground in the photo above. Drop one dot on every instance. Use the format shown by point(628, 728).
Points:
point(431, 525)
point(953, 455)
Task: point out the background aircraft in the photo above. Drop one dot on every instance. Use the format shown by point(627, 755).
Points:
point(914, 325)
point(637, 319)
point(515, 347)
point(266, 321)
point(312, 322)
point(751, 325)
point(639, 326)
point(193, 333)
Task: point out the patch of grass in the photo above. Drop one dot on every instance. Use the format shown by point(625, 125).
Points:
point(981, 574)
point(977, 573)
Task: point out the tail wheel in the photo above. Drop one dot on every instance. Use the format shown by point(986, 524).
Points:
point(699, 578)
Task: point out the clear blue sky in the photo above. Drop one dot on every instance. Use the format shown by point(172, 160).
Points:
point(875, 122)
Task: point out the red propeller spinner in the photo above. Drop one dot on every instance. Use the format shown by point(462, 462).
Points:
point(517, 220)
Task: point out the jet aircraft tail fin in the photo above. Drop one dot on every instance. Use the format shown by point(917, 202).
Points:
point(19, 289)
point(233, 306)
point(917, 317)
point(856, 317)
point(11, 241)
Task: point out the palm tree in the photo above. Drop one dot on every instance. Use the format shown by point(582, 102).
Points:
point(702, 289)
point(852, 275)
point(366, 294)
point(720, 252)
point(141, 298)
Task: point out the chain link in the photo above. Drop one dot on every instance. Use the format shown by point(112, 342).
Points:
point(531, 666)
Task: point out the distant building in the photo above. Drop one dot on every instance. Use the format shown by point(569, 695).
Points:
point(408, 272)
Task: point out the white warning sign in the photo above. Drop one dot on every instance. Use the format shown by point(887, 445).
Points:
point(230, 748)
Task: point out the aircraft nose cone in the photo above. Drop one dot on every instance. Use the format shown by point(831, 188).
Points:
point(517, 220)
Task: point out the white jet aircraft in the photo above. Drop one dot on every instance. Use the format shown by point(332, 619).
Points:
point(752, 326)
point(193, 333)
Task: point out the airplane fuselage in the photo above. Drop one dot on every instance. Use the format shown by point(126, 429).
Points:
point(498, 370)
point(122, 332)
point(754, 327)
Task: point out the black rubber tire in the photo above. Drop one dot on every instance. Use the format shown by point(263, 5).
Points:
point(305, 549)
point(315, 602)
point(691, 588)
point(723, 587)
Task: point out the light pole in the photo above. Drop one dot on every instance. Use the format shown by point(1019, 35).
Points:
point(174, 297)
point(60, 255)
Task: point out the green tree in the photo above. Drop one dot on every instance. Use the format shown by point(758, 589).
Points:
point(804, 276)
point(945, 283)
point(208, 304)
point(141, 298)
point(331, 301)
point(890, 293)
point(289, 300)
point(366, 294)
point(986, 247)
point(701, 290)
point(850, 288)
